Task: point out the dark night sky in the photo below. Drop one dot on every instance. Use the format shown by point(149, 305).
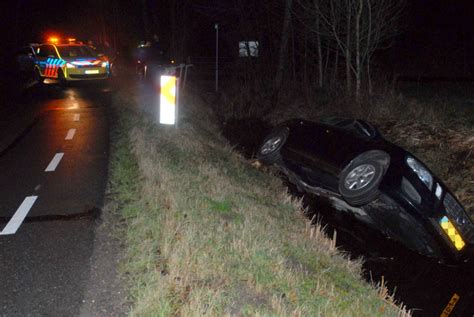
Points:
point(78, 18)
point(430, 20)
point(448, 21)
point(434, 28)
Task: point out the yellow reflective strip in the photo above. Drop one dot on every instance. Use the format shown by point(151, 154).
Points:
point(452, 233)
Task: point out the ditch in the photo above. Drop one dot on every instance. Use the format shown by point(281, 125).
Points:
point(423, 285)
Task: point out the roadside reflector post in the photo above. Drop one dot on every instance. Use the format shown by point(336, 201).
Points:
point(168, 100)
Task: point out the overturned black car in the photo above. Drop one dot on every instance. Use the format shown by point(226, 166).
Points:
point(381, 184)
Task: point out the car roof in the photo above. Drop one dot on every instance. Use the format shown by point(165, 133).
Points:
point(357, 126)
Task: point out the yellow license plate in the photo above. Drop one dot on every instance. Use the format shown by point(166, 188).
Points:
point(92, 71)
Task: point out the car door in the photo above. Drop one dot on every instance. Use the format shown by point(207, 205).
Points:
point(41, 57)
point(46, 53)
point(310, 150)
point(25, 59)
point(354, 139)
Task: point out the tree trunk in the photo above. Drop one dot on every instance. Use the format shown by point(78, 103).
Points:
point(285, 34)
point(305, 61)
point(336, 67)
point(318, 43)
point(369, 44)
point(357, 43)
point(326, 62)
point(347, 52)
point(293, 53)
point(369, 77)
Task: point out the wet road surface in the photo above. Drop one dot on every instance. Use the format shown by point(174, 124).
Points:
point(423, 285)
point(53, 163)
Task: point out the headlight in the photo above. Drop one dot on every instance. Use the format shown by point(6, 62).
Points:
point(105, 64)
point(69, 65)
point(439, 191)
point(421, 171)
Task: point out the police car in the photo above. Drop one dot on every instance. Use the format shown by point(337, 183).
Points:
point(69, 61)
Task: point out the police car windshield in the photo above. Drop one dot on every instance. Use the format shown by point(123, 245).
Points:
point(74, 51)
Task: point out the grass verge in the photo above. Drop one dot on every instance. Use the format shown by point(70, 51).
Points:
point(208, 234)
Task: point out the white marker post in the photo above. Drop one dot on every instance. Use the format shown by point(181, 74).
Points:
point(168, 100)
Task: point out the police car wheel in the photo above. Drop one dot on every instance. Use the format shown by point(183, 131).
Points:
point(61, 78)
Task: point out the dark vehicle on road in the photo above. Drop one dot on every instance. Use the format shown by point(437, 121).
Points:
point(25, 59)
point(349, 162)
point(151, 61)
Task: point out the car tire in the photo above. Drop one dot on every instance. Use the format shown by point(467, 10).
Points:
point(61, 78)
point(269, 151)
point(359, 181)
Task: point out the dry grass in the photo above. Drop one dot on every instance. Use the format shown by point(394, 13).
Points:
point(207, 233)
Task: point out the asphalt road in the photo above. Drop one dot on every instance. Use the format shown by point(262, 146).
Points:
point(53, 163)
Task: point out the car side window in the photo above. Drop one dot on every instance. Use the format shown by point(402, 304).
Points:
point(42, 51)
point(46, 50)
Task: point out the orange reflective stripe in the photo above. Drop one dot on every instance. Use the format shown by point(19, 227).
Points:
point(168, 90)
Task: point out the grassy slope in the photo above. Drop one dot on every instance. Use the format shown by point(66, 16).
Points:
point(206, 233)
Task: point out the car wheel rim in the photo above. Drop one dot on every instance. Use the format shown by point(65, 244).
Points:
point(270, 145)
point(359, 177)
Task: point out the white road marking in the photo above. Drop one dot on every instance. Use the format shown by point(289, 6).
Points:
point(54, 162)
point(70, 134)
point(77, 116)
point(20, 215)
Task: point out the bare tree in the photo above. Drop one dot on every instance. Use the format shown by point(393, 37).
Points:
point(382, 24)
point(357, 28)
